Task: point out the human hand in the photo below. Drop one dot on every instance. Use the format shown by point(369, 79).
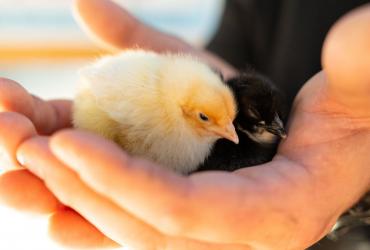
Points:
point(249, 199)
point(23, 117)
point(27, 116)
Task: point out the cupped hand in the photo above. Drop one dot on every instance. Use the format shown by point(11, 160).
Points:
point(290, 203)
point(24, 116)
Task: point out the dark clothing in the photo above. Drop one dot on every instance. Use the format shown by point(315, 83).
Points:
point(281, 39)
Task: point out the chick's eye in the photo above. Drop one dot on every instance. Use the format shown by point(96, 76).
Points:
point(203, 117)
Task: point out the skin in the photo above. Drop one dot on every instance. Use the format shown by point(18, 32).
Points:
point(321, 169)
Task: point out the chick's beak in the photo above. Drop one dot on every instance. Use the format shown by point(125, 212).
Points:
point(279, 131)
point(277, 128)
point(228, 132)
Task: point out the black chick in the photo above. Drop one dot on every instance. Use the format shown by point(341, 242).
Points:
point(259, 124)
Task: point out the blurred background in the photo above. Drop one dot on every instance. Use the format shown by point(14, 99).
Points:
point(42, 47)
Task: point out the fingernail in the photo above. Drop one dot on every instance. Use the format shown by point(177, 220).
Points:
point(26, 161)
point(21, 159)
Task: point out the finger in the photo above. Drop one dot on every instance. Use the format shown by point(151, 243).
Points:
point(143, 176)
point(14, 129)
point(25, 192)
point(172, 203)
point(62, 114)
point(116, 29)
point(105, 215)
point(46, 116)
point(20, 189)
point(65, 184)
point(70, 229)
point(346, 60)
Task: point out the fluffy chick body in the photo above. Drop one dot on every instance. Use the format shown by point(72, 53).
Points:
point(145, 102)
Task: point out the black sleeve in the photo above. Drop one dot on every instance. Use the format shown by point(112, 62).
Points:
point(231, 40)
point(246, 31)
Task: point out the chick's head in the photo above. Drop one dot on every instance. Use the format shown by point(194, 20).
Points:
point(261, 109)
point(207, 105)
point(211, 111)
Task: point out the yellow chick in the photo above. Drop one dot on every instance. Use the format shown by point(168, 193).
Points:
point(170, 109)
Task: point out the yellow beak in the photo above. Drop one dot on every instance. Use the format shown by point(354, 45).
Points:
point(229, 133)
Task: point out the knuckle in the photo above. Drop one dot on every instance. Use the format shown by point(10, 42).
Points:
point(14, 97)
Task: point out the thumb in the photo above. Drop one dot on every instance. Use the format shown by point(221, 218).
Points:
point(346, 60)
point(117, 29)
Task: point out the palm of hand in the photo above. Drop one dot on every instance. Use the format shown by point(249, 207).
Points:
point(326, 138)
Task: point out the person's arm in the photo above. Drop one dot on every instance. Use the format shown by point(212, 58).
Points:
point(290, 203)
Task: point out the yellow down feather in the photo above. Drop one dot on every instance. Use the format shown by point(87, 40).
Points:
point(167, 108)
